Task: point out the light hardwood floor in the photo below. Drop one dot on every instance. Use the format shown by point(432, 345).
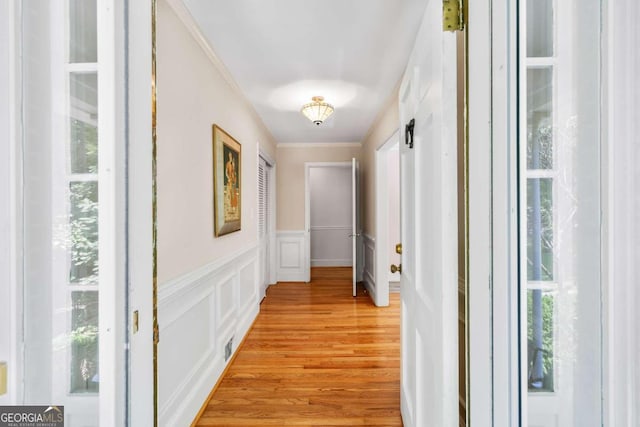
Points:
point(315, 356)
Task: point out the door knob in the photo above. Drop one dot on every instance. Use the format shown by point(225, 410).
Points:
point(396, 268)
point(399, 248)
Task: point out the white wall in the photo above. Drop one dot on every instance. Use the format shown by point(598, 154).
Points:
point(330, 203)
point(207, 286)
point(195, 92)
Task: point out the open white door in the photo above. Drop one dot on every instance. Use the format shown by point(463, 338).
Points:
point(355, 223)
point(143, 380)
point(429, 351)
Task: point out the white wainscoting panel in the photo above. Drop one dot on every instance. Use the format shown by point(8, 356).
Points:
point(291, 256)
point(369, 274)
point(198, 313)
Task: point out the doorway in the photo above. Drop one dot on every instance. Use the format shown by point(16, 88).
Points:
point(332, 217)
point(387, 220)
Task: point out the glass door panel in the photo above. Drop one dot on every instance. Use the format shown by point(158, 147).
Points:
point(559, 186)
point(59, 45)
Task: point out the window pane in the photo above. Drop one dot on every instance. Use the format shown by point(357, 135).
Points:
point(540, 320)
point(539, 28)
point(83, 122)
point(84, 232)
point(83, 45)
point(84, 342)
point(561, 285)
point(539, 118)
point(58, 131)
point(539, 229)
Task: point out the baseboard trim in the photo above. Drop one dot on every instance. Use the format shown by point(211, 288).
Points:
point(370, 286)
point(331, 263)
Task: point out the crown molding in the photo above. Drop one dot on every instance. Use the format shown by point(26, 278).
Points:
point(319, 145)
point(187, 19)
point(181, 11)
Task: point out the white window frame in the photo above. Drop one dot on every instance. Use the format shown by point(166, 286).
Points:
point(62, 112)
point(11, 193)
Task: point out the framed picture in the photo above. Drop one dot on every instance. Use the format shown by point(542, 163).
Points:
point(227, 188)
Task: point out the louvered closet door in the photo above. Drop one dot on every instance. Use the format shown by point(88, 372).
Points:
point(264, 170)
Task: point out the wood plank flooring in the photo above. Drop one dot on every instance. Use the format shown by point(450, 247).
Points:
point(315, 356)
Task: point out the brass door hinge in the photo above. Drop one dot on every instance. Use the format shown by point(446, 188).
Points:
point(156, 333)
point(453, 15)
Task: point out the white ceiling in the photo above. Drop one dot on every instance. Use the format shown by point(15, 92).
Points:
point(283, 52)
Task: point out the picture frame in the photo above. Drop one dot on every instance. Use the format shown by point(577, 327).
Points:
point(227, 185)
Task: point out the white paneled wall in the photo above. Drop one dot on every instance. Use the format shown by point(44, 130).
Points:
point(291, 256)
point(199, 313)
point(369, 275)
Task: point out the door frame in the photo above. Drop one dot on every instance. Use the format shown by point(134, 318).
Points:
point(382, 221)
point(492, 226)
point(140, 103)
point(620, 198)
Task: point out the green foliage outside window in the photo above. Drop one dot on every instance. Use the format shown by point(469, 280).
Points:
point(547, 338)
point(84, 342)
point(84, 232)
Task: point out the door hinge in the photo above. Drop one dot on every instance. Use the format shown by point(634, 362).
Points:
point(453, 15)
point(156, 333)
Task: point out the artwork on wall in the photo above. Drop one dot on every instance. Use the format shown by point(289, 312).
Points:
point(227, 189)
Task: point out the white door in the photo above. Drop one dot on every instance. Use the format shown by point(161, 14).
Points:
point(429, 350)
point(143, 381)
point(356, 232)
point(72, 238)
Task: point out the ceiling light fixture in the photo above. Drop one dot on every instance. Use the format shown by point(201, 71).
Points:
point(318, 110)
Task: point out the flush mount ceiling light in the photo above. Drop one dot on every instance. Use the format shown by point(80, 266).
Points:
point(318, 110)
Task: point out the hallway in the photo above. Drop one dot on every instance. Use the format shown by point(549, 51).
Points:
point(315, 356)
